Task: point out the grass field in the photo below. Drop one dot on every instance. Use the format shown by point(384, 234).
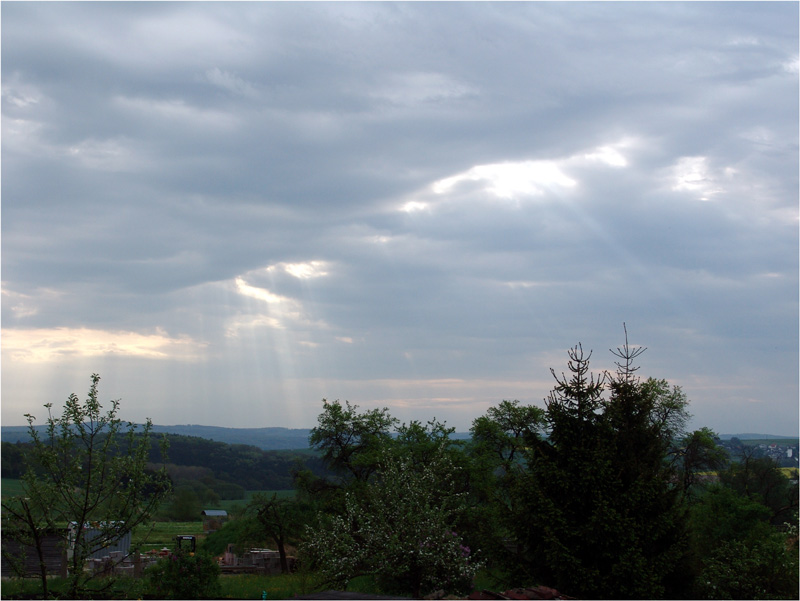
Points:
point(10, 487)
point(157, 535)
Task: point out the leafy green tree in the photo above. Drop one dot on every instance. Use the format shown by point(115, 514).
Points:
point(13, 459)
point(421, 443)
point(185, 505)
point(351, 442)
point(505, 432)
point(401, 530)
point(281, 519)
point(87, 468)
point(697, 452)
point(761, 480)
point(722, 515)
point(244, 532)
point(500, 440)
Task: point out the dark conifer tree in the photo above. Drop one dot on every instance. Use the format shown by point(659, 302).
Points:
point(602, 515)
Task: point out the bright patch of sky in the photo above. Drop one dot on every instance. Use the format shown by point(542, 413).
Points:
point(46, 345)
point(510, 180)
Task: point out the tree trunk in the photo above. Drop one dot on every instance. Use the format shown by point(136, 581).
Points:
point(282, 553)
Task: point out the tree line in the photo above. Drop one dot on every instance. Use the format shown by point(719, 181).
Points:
point(601, 493)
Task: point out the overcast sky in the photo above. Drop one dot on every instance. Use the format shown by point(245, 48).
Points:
point(232, 210)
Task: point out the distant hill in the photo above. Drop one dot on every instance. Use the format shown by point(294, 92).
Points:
point(751, 436)
point(228, 469)
point(268, 439)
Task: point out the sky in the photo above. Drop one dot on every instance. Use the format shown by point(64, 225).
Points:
point(231, 211)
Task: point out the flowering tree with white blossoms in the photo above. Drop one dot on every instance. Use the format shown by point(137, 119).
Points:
point(400, 530)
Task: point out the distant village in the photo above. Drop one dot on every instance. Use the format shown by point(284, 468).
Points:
point(784, 453)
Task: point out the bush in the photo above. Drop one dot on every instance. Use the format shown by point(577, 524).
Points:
point(183, 575)
point(762, 569)
point(243, 532)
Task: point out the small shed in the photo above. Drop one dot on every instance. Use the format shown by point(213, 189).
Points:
point(213, 519)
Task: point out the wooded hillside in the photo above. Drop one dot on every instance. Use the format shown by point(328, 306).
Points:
point(245, 466)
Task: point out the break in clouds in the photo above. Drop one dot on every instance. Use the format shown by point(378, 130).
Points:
point(233, 210)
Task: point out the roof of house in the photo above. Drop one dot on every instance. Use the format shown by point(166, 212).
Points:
point(215, 512)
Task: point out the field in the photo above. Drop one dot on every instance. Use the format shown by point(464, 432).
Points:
point(10, 487)
point(240, 586)
point(157, 535)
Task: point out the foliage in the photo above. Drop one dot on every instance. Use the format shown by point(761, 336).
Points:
point(698, 451)
point(499, 442)
point(13, 459)
point(761, 568)
point(183, 575)
point(400, 530)
point(350, 444)
point(281, 519)
point(721, 516)
point(738, 554)
point(87, 468)
point(246, 467)
point(599, 494)
point(239, 532)
point(185, 505)
point(505, 431)
point(422, 443)
point(226, 469)
point(350, 441)
point(599, 514)
point(761, 480)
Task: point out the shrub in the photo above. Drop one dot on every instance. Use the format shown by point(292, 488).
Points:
point(183, 575)
point(765, 568)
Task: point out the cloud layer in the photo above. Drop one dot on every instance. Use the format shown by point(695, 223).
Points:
point(232, 210)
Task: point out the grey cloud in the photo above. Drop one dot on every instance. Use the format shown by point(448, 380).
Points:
point(154, 153)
